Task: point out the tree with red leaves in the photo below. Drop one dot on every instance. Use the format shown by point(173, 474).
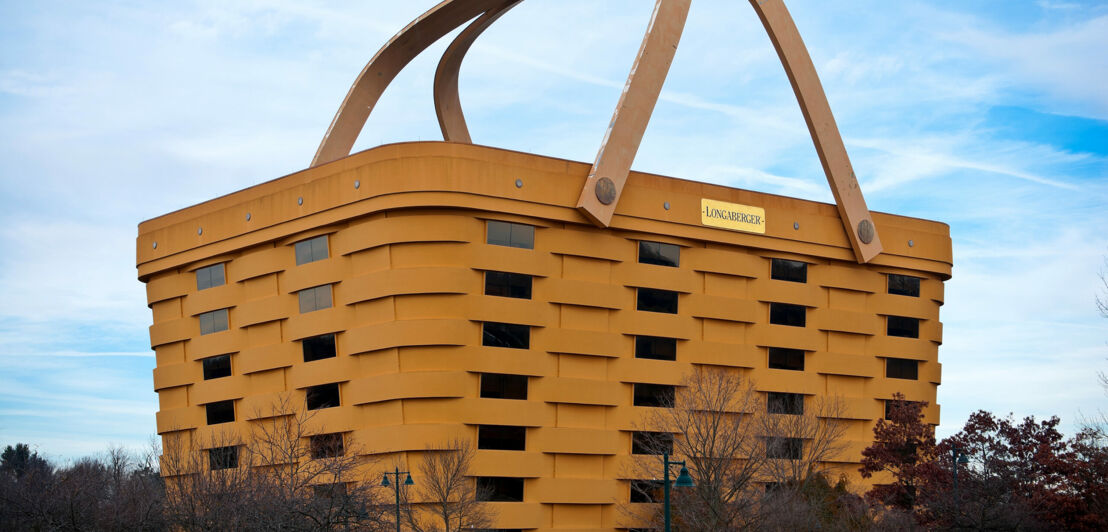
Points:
point(1090, 477)
point(1019, 476)
point(903, 447)
point(1015, 478)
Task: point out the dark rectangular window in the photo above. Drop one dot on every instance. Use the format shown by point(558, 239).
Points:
point(223, 458)
point(213, 322)
point(903, 285)
point(318, 347)
point(317, 298)
point(220, 412)
point(506, 284)
point(655, 348)
point(508, 335)
point(786, 314)
point(903, 327)
point(785, 403)
point(323, 396)
point(210, 276)
point(651, 443)
point(781, 358)
point(654, 300)
point(326, 445)
point(217, 367)
point(499, 489)
point(789, 270)
point(511, 235)
point(659, 395)
point(659, 253)
point(646, 491)
point(784, 448)
point(336, 490)
point(501, 386)
point(501, 437)
point(901, 368)
point(311, 250)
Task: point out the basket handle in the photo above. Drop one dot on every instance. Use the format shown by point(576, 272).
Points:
point(604, 185)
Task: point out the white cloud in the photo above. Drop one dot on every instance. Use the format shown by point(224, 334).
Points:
point(1050, 4)
point(917, 158)
point(753, 178)
point(1068, 62)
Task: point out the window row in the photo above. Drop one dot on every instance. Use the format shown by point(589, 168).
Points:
point(797, 316)
point(516, 285)
point(306, 251)
point(313, 348)
point(519, 286)
point(493, 386)
point(489, 489)
point(509, 335)
point(662, 254)
point(523, 236)
point(315, 398)
point(665, 301)
point(776, 448)
point(795, 271)
point(793, 360)
point(310, 299)
point(514, 438)
point(319, 446)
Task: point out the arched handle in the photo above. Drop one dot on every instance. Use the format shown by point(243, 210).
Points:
point(856, 217)
point(604, 185)
point(448, 106)
point(389, 61)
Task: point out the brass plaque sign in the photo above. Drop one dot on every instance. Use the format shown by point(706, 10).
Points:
point(733, 216)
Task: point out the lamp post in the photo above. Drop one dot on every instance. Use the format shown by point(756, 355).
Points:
point(407, 482)
point(959, 458)
point(684, 480)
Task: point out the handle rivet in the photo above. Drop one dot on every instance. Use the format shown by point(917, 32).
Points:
point(605, 190)
point(865, 231)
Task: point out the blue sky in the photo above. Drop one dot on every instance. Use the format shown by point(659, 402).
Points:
point(990, 116)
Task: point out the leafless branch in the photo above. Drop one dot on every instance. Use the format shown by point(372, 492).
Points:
point(447, 493)
point(720, 426)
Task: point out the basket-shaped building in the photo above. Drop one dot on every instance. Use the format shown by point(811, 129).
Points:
point(540, 309)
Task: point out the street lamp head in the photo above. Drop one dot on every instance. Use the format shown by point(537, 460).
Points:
point(385, 481)
point(963, 459)
point(684, 480)
point(408, 481)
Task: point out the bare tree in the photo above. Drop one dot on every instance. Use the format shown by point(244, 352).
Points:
point(200, 497)
point(447, 493)
point(715, 425)
point(114, 491)
point(718, 423)
point(1102, 308)
point(1102, 297)
point(799, 446)
point(287, 474)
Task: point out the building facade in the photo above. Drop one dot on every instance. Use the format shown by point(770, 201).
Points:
point(422, 292)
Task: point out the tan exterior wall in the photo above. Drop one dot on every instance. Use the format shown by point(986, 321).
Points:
point(406, 234)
